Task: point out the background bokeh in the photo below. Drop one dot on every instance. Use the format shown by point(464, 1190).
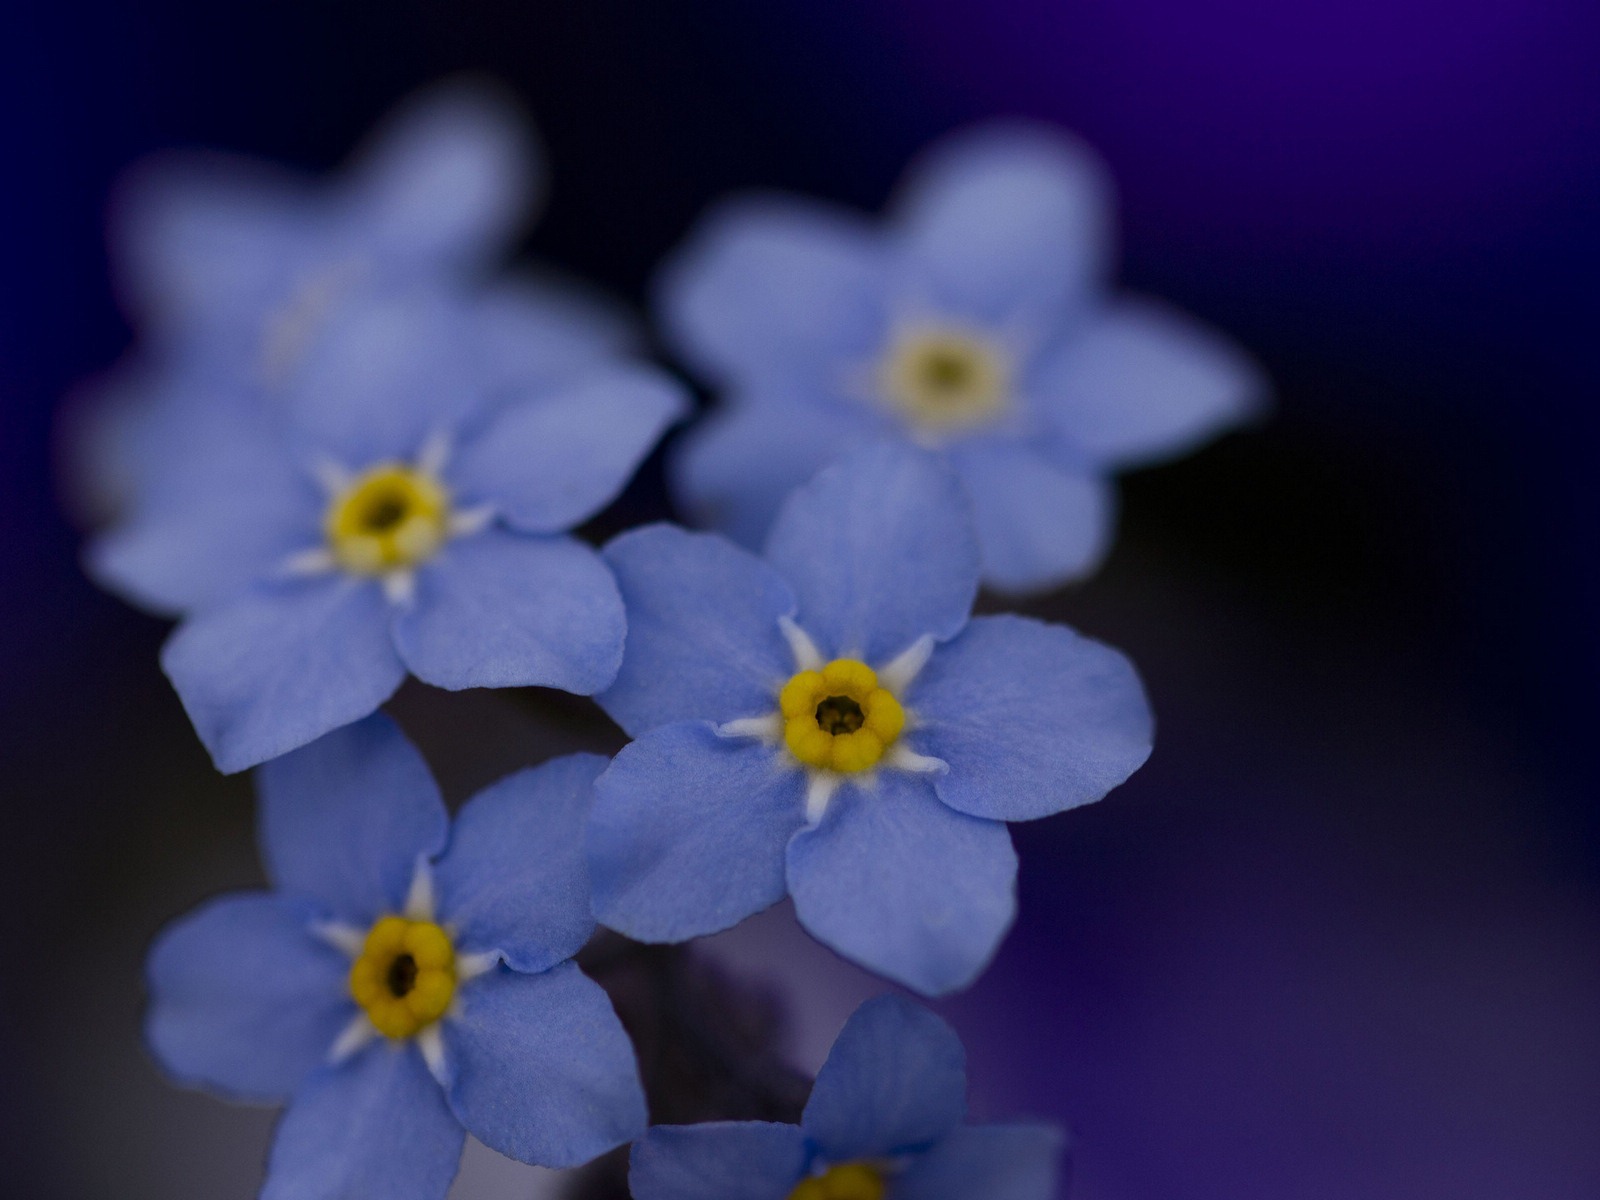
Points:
point(1341, 938)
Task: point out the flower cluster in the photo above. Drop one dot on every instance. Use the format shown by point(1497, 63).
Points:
point(346, 451)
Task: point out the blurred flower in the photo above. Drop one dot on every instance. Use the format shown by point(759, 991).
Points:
point(883, 1123)
point(397, 992)
point(977, 321)
point(404, 506)
point(828, 723)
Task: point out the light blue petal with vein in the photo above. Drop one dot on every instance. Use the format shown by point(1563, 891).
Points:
point(243, 999)
point(895, 1080)
point(733, 470)
point(880, 551)
point(1032, 719)
point(515, 878)
point(724, 1160)
point(1141, 382)
point(768, 287)
point(1008, 224)
point(1040, 523)
point(688, 830)
point(345, 819)
point(377, 1125)
point(550, 461)
point(541, 1068)
point(500, 609)
point(997, 1162)
point(282, 665)
point(703, 637)
point(904, 885)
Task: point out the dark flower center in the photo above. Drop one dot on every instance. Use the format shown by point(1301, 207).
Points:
point(384, 510)
point(839, 714)
point(402, 975)
point(946, 371)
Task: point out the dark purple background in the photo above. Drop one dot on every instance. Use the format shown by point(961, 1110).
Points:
point(1342, 937)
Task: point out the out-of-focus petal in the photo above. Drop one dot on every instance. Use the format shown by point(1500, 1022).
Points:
point(1040, 523)
point(768, 287)
point(548, 462)
point(997, 1162)
point(1141, 382)
point(1006, 224)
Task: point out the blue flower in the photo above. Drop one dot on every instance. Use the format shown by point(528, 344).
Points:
point(405, 983)
point(233, 271)
point(977, 321)
point(883, 1123)
point(828, 724)
point(400, 508)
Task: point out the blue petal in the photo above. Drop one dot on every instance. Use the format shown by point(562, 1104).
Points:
point(345, 819)
point(894, 880)
point(688, 830)
point(1006, 224)
point(282, 665)
point(895, 1080)
point(449, 177)
point(1142, 382)
point(542, 333)
point(880, 551)
point(243, 999)
point(727, 1160)
point(515, 878)
point(542, 1070)
point(201, 532)
point(375, 1126)
point(768, 287)
point(549, 462)
point(499, 609)
point(733, 471)
point(1040, 524)
point(386, 375)
point(997, 1162)
point(703, 636)
point(209, 240)
point(1031, 718)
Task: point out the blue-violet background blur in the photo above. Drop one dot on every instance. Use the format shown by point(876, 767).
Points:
point(1341, 937)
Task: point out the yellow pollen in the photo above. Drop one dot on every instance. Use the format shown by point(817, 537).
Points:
point(847, 1181)
point(838, 718)
point(405, 976)
point(389, 516)
point(944, 379)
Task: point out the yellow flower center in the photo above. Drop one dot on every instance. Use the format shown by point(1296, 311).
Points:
point(847, 1181)
point(387, 517)
point(405, 976)
point(838, 718)
point(945, 379)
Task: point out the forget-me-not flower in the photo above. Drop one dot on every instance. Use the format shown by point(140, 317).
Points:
point(977, 320)
point(884, 1122)
point(403, 507)
point(232, 271)
point(405, 982)
point(827, 723)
